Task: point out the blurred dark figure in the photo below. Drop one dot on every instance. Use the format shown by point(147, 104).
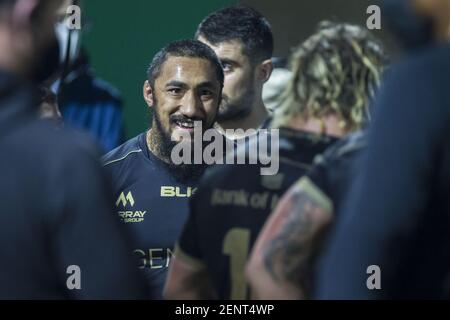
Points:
point(397, 216)
point(86, 101)
point(56, 213)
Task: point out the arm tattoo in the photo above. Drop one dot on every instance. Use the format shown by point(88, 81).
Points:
point(289, 256)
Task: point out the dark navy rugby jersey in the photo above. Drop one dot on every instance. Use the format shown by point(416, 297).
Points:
point(152, 201)
point(230, 208)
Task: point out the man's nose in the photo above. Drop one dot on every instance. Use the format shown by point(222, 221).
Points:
point(191, 105)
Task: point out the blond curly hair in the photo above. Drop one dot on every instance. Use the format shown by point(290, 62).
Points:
point(335, 71)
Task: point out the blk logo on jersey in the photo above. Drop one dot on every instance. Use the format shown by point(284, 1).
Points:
point(129, 216)
point(176, 192)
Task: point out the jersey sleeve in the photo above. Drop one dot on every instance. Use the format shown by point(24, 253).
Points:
point(318, 175)
point(334, 170)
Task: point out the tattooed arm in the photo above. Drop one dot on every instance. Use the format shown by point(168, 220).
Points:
point(281, 263)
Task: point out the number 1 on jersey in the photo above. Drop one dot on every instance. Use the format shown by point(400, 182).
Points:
point(236, 244)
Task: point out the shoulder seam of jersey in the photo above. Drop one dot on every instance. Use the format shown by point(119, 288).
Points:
point(122, 158)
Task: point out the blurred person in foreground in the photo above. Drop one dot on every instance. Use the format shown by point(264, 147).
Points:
point(334, 73)
point(56, 213)
point(393, 239)
point(87, 102)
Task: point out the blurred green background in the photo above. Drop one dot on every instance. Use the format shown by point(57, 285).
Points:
point(122, 37)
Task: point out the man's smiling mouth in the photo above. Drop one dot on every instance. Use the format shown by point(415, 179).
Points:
point(184, 124)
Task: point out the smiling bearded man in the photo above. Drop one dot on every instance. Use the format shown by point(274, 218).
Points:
point(184, 85)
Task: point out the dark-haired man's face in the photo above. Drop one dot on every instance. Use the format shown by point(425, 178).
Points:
point(239, 87)
point(186, 90)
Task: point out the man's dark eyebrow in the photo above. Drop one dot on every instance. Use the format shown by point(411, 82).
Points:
point(207, 84)
point(175, 83)
point(229, 61)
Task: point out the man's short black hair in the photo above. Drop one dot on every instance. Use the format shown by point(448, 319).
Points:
point(239, 23)
point(184, 48)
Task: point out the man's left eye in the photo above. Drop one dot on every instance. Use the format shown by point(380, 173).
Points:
point(206, 93)
point(174, 90)
point(227, 67)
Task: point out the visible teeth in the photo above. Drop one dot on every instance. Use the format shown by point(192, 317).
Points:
point(186, 124)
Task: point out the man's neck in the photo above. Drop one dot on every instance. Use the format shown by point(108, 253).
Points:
point(253, 120)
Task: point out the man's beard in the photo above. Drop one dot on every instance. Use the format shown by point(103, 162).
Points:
point(236, 110)
point(163, 145)
point(162, 142)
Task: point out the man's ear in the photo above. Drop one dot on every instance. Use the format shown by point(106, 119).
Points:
point(265, 70)
point(147, 92)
